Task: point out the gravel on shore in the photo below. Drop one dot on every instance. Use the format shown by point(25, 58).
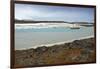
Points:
point(78, 51)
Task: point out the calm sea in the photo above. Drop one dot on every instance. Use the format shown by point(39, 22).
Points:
point(30, 38)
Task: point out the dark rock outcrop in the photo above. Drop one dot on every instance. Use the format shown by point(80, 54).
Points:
point(78, 51)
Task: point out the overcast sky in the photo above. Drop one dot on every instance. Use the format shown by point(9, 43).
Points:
point(53, 13)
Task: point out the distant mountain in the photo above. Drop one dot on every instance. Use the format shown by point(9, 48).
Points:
point(86, 24)
point(81, 23)
point(25, 21)
point(32, 21)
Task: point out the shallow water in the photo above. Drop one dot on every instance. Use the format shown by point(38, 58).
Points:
point(30, 38)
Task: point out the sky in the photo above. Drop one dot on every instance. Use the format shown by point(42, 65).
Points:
point(53, 13)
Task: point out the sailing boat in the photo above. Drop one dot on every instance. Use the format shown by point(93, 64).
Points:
point(75, 26)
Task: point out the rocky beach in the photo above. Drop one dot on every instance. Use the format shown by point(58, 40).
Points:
point(49, 35)
point(78, 51)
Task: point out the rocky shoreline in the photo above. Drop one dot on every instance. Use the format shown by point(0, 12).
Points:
point(78, 51)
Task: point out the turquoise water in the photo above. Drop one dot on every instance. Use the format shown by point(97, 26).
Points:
point(27, 38)
point(57, 29)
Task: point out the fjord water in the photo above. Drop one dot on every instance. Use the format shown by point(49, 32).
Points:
point(32, 38)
